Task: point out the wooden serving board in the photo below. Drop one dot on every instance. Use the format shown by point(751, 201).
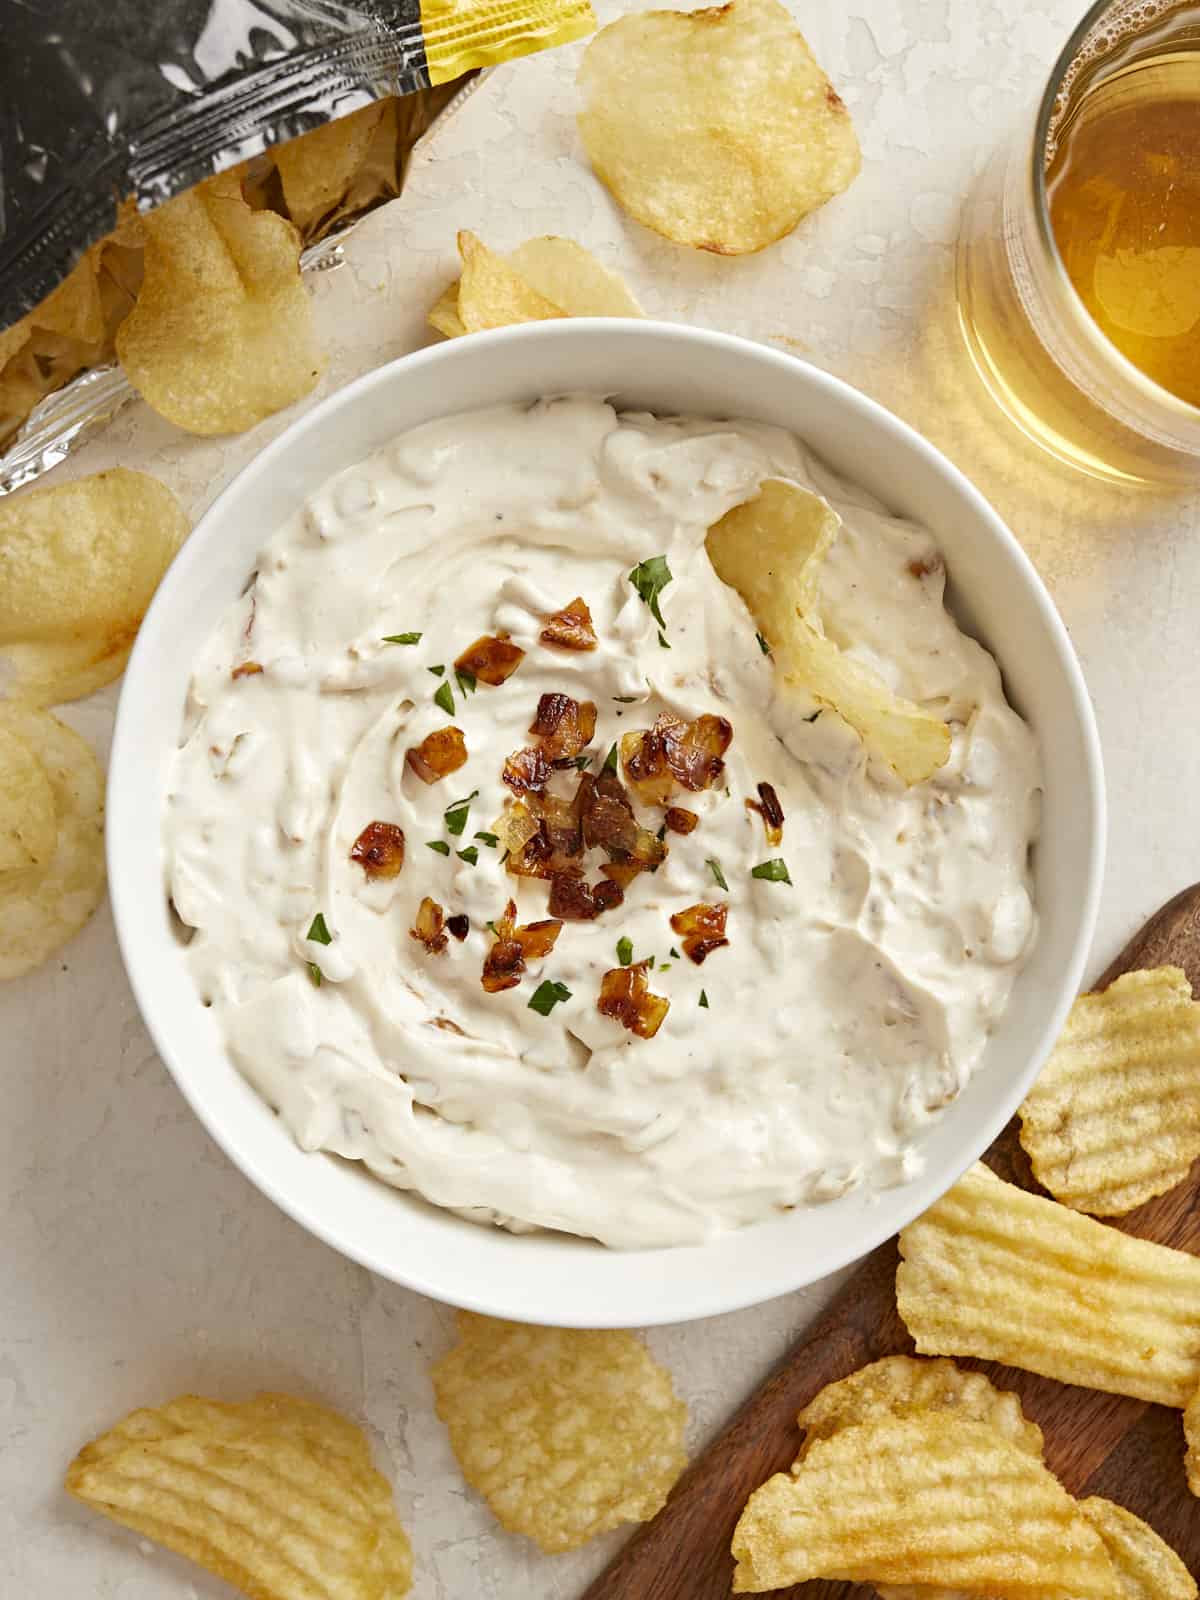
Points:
point(1103, 1444)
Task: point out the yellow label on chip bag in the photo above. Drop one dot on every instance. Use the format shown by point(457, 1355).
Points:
point(461, 38)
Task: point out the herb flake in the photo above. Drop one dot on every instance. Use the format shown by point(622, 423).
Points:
point(456, 814)
point(440, 845)
point(445, 698)
point(402, 638)
point(469, 855)
point(675, 953)
point(489, 839)
point(662, 639)
point(625, 699)
point(714, 866)
point(650, 578)
point(319, 932)
point(314, 974)
point(704, 1000)
point(774, 871)
point(438, 672)
point(466, 682)
point(546, 996)
point(763, 645)
point(625, 952)
point(610, 761)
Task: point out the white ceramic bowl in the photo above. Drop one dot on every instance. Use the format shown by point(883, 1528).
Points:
point(995, 593)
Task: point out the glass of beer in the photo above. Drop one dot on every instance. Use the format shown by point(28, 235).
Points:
point(1078, 269)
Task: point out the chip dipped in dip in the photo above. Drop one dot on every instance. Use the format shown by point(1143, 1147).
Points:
point(523, 870)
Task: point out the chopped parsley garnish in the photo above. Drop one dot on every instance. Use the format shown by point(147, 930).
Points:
point(492, 926)
point(456, 814)
point(625, 699)
point(704, 1000)
point(470, 854)
point(440, 845)
point(763, 645)
point(675, 953)
point(610, 761)
point(546, 996)
point(772, 871)
point(625, 952)
point(402, 638)
point(650, 578)
point(662, 639)
point(319, 933)
point(714, 866)
point(438, 672)
point(445, 698)
point(466, 682)
point(489, 839)
point(579, 762)
point(314, 974)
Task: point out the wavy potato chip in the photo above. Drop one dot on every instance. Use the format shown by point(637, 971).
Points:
point(316, 169)
point(45, 903)
point(493, 294)
point(769, 549)
point(1146, 1566)
point(994, 1272)
point(222, 333)
point(715, 128)
point(1191, 1433)
point(79, 564)
point(900, 1386)
point(277, 1496)
point(1114, 1118)
point(28, 826)
point(562, 273)
point(927, 1499)
point(565, 1432)
point(444, 317)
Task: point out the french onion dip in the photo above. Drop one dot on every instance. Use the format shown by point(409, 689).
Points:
point(517, 872)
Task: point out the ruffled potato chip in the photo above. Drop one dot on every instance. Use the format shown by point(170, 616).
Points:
point(47, 901)
point(560, 271)
point(1146, 1566)
point(1114, 1118)
point(769, 549)
point(899, 1386)
point(928, 1499)
point(316, 169)
point(715, 128)
point(566, 1433)
point(994, 1272)
point(277, 1496)
point(1191, 1433)
point(222, 333)
point(79, 564)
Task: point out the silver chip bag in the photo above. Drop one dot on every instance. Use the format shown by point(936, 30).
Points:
point(110, 107)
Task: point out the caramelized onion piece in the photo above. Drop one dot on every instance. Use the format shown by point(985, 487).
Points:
point(571, 628)
point(675, 755)
point(526, 772)
point(702, 930)
point(490, 660)
point(606, 814)
point(679, 819)
point(248, 669)
point(625, 995)
point(505, 961)
point(379, 850)
point(438, 755)
point(768, 807)
point(515, 824)
point(576, 901)
point(563, 725)
point(459, 926)
point(427, 929)
point(622, 873)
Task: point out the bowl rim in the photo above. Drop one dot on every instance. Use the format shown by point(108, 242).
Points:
point(904, 1203)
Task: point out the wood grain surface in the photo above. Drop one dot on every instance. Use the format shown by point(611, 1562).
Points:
point(1096, 1443)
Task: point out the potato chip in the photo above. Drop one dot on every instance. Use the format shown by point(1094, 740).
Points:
point(79, 564)
point(316, 168)
point(566, 1433)
point(43, 905)
point(28, 828)
point(222, 333)
point(1191, 1432)
point(277, 1496)
point(1146, 1566)
point(444, 317)
point(1114, 1118)
point(561, 272)
point(491, 294)
point(900, 1386)
point(715, 128)
point(994, 1272)
point(928, 1499)
point(769, 549)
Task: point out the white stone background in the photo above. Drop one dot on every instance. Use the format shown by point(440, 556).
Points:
point(135, 1262)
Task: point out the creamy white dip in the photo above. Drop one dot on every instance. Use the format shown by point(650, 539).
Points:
point(848, 1006)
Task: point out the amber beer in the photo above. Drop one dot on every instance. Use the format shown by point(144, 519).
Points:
point(1079, 258)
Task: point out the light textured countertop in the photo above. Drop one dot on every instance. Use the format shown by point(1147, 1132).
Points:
point(135, 1262)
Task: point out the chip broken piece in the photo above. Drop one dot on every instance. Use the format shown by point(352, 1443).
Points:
point(1146, 1566)
point(715, 128)
point(277, 1496)
point(79, 564)
point(565, 1432)
point(994, 1272)
point(930, 1499)
point(1114, 1117)
point(769, 549)
point(541, 278)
